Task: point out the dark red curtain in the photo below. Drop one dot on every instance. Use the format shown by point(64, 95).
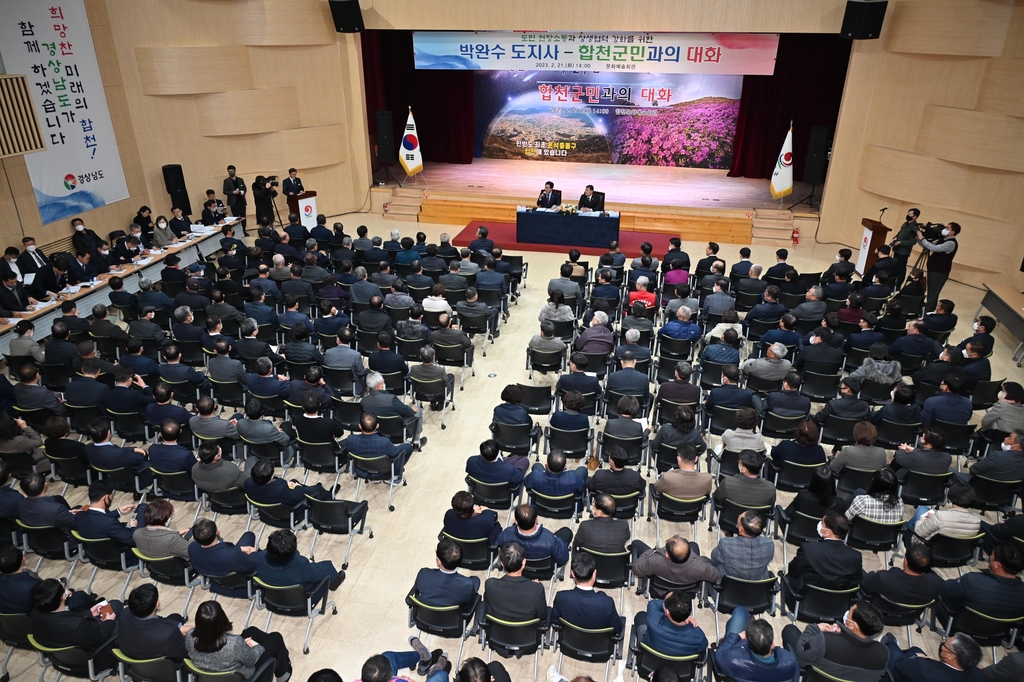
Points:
point(441, 101)
point(807, 87)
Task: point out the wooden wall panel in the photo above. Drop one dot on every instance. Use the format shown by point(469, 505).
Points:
point(248, 111)
point(905, 175)
point(271, 22)
point(1000, 91)
point(976, 138)
point(756, 16)
point(306, 147)
point(950, 27)
point(193, 70)
point(120, 113)
point(106, 54)
point(1014, 46)
point(320, 100)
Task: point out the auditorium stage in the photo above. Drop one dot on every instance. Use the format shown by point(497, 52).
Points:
point(691, 203)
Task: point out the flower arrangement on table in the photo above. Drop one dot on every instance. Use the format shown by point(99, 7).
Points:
point(567, 209)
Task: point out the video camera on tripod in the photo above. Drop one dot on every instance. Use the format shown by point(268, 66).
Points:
point(932, 231)
point(272, 179)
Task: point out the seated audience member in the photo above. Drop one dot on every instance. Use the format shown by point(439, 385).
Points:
point(100, 522)
point(604, 533)
point(571, 416)
point(785, 334)
point(847, 405)
point(854, 308)
point(444, 586)
point(1004, 464)
point(54, 625)
point(583, 606)
point(903, 409)
point(668, 626)
point(680, 390)
point(211, 556)
point(1008, 412)
point(863, 454)
point(948, 405)
point(631, 345)
point(997, 592)
point(36, 508)
point(730, 320)
point(597, 338)
point(681, 328)
point(214, 474)
point(101, 453)
point(642, 295)
point(511, 412)
point(469, 521)
point(745, 435)
point(747, 652)
point(976, 366)
point(958, 654)
point(913, 583)
point(681, 430)
point(729, 394)
point(173, 372)
point(685, 482)
point(956, 522)
point(17, 436)
point(142, 634)
point(264, 487)
point(915, 342)
point(818, 497)
point(625, 425)
point(879, 502)
point(867, 336)
point(826, 563)
point(537, 542)
point(513, 597)
point(802, 449)
point(281, 564)
point(927, 457)
point(553, 480)
point(546, 341)
point(369, 443)
point(490, 467)
point(788, 402)
point(168, 456)
point(983, 328)
point(820, 352)
point(772, 367)
point(814, 307)
point(208, 424)
point(745, 556)
point(212, 646)
point(618, 479)
point(30, 394)
point(17, 584)
point(877, 367)
point(555, 310)
point(746, 489)
point(846, 651)
point(155, 539)
point(679, 562)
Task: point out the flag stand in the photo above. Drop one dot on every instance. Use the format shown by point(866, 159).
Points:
point(810, 200)
point(415, 180)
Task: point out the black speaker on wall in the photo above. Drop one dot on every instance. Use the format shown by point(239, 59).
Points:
point(385, 138)
point(174, 181)
point(348, 18)
point(863, 19)
point(817, 155)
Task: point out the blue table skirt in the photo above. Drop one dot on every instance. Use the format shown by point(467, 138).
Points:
point(536, 227)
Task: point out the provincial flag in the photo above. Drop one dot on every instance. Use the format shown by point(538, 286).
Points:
point(782, 177)
point(409, 155)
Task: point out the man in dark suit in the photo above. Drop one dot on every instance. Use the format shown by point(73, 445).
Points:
point(292, 184)
point(628, 380)
point(958, 661)
point(51, 280)
point(549, 196)
point(769, 310)
point(787, 402)
point(59, 350)
point(604, 533)
point(512, 596)
point(488, 468)
point(210, 216)
point(234, 189)
point(32, 259)
point(39, 509)
point(583, 606)
point(729, 394)
point(17, 584)
point(618, 479)
point(13, 297)
point(376, 253)
point(380, 403)
point(191, 296)
point(56, 626)
point(29, 394)
point(1003, 464)
point(281, 565)
point(265, 488)
point(249, 347)
point(914, 583)
point(179, 224)
point(680, 390)
point(99, 522)
point(211, 556)
point(868, 335)
point(879, 287)
point(997, 592)
point(886, 263)
point(828, 563)
point(943, 319)
point(746, 489)
point(167, 456)
point(577, 379)
point(264, 383)
point(136, 361)
point(590, 201)
point(103, 454)
point(840, 288)
point(778, 271)
point(948, 405)
point(846, 406)
point(142, 634)
point(742, 267)
point(130, 393)
point(297, 232)
point(676, 251)
point(819, 351)
point(443, 586)
point(127, 250)
point(482, 242)
point(79, 268)
point(916, 342)
point(711, 255)
point(948, 363)
point(182, 328)
point(86, 390)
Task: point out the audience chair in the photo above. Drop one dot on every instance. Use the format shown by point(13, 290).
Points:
point(106, 554)
point(756, 596)
point(445, 622)
point(513, 638)
point(337, 517)
point(73, 661)
point(587, 645)
point(293, 600)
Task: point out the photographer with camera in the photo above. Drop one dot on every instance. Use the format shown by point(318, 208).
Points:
point(940, 243)
point(263, 194)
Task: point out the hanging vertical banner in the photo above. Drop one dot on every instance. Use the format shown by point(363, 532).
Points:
point(51, 44)
point(411, 158)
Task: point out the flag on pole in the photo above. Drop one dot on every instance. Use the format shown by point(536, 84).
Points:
point(411, 158)
point(782, 177)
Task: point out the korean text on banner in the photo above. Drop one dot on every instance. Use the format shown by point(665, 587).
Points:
point(50, 42)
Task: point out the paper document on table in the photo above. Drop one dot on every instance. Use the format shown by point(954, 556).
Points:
point(71, 290)
point(29, 278)
point(143, 261)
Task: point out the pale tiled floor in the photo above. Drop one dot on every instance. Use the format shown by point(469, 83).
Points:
point(371, 612)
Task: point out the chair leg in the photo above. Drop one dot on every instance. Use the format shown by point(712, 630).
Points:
point(266, 626)
point(348, 550)
point(88, 587)
point(312, 556)
point(305, 641)
point(127, 581)
point(359, 485)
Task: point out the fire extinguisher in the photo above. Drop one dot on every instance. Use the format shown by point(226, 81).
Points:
point(796, 234)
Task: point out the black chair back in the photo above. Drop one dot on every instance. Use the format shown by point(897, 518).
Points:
point(822, 605)
point(492, 495)
point(510, 638)
point(920, 488)
point(793, 476)
point(546, 361)
point(780, 426)
point(756, 596)
point(550, 507)
point(594, 646)
point(440, 621)
point(537, 400)
point(612, 567)
point(850, 478)
point(951, 552)
point(477, 555)
point(838, 430)
point(868, 534)
point(648, 659)
point(984, 395)
point(177, 485)
point(821, 387)
point(959, 437)
point(574, 444)
point(893, 434)
point(513, 438)
point(993, 495)
point(230, 501)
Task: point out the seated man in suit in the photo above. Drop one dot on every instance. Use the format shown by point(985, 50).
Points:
point(86, 390)
point(745, 556)
point(948, 405)
point(669, 627)
point(628, 381)
point(513, 597)
point(916, 342)
point(747, 651)
point(380, 403)
point(214, 474)
point(583, 606)
point(959, 657)
point(54, 625)
point(299, 349)
point(729, 394)
point(443, 586)
point(130, 393)
point(162, 409)
point(134, 360)
point(847, 405)
point(827, 563)
point(145, 329)
point(819, 351)
point(913, 583)
point(142, 634)
point(846, 651)
point(618, 479)
point(39, 509)
point(224, 369)
point(604, 533)
point(868, 335)
point(251, 348)
point(69, 316)
point(577, 379)
point(280, 564)
point(182, 328)
point(549, 197)
point(788, 402)
point(60, 351)
point(590, 202)
point(552, 479)
point(537, 542)
point(385, 360)
point(209, 424)
point(264, 383)
point(468, 521)
point(746, 489)
point(369, 444)
point(103, 454)
point(211, 556)
point(17, 584)
point(488, 467)
point(29, 394)
point(215, 331)
point(100, 522)
point(168, 456)
point(266, 488)
point(997, 592)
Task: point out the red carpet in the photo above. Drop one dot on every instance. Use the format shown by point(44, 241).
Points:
point(504, 235)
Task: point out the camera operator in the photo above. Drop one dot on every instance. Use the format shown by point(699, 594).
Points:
point(903, 243)
point(941, 246)
point(263, 194)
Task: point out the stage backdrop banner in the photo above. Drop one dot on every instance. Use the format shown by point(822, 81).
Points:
point(51, 44)
point(625, 118)
point(715, 53)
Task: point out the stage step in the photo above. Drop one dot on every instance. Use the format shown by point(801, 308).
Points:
point(404, 205)
point(401, 218)
point(771, 227)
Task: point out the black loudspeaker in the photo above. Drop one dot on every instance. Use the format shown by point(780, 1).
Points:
point(174, 181)
point(347, 16)
point(385, 138)
point(863, 19)
point(817, 156)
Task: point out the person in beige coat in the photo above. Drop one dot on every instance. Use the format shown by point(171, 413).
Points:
point(155, 539)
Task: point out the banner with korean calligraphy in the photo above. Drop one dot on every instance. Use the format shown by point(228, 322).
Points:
point(50, 42)
point(713, 53)
point(685, 120)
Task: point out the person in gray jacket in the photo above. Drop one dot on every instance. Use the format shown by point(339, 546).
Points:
point(343, 356)
point(23, 345)
point(225, 311)
point(773, 367)
point(814, 307)
point(255, 429)
point(212, 474)
point(863, 454)
point(224, 369)
point(155, 539)
point(145, 328)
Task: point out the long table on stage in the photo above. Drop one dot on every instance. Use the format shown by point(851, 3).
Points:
point(542, 227)
point(190, 252)
point(1007, 305)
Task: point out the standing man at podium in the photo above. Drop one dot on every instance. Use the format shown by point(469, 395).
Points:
point(234, 190)
point(590, 202)
point(549, 196)
point(292, 185)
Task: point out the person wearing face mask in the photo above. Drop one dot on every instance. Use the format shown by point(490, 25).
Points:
point(827, 563)
point(103, 260)
point(904, 241)
point(1004, 464)
point(127, 250)
point(32, 259)
point(940, 260)
point(975, 365)
point(163, 236)
point(84, 239)
point(234, 189)
point(10, 263)
point(843, 650)
point(983, 328)
point(957, 661)
point(144, 218)
point(179, 224)
point(135, 230)
point(842, 264)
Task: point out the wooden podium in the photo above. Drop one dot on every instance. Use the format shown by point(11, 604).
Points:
point(304, 206)
point(293, 201)
point(873, 237)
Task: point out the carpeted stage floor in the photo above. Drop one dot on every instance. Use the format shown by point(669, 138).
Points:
point(505, 234)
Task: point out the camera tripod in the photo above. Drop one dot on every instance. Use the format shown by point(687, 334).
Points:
point(280, 222)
